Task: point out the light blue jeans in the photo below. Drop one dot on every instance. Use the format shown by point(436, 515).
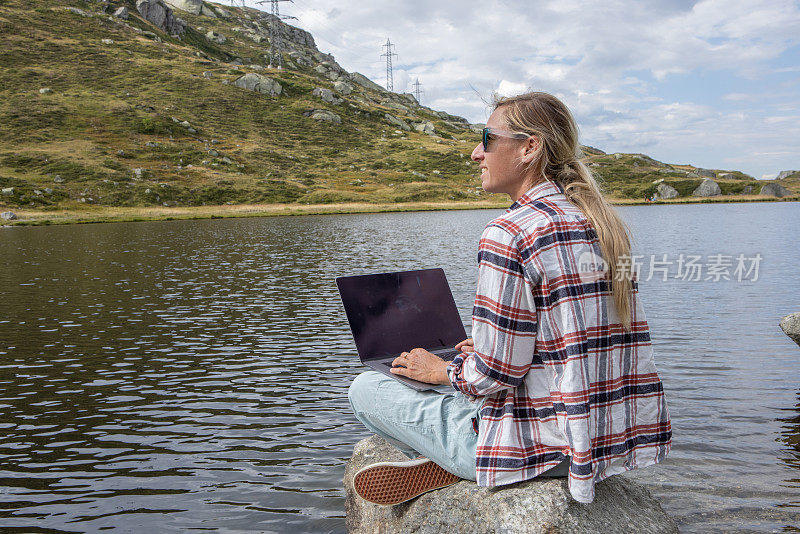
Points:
point(436, 424)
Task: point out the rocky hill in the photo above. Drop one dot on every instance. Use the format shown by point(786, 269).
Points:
point(142, 103)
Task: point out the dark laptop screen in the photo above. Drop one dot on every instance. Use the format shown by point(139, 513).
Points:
point(395, 312)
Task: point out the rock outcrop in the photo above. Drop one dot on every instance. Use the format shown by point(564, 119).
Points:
point(708, 188)
point(325, 116)
point(774, 190)
point(258, 83)
point(8, 216)
point(540, 506)
point(195, 7)
point(791, 326)
point(161, 16)
point(326, 95)
point(785, 174)
point(706, 173)
point(666, 191)
point(363, 81)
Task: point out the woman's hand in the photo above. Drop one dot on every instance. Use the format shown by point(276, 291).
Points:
point(421, 365)
point(468, 345)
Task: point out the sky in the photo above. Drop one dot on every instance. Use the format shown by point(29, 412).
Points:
point(713, 83)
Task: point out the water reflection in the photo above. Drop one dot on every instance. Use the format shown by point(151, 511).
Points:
point(191, 374)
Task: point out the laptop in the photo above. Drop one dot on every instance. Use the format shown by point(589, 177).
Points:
point(391, 313)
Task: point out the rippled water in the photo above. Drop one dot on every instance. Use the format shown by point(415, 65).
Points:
point(192, 375)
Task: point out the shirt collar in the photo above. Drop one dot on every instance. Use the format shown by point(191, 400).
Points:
point(538, 191)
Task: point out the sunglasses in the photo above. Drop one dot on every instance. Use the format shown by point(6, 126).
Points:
point(489, 132)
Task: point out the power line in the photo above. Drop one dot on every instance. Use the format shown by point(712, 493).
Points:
point(417, 90)
point(389, 54)
point(275, 44)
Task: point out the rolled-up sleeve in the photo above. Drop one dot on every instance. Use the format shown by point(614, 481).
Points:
point(504, 320)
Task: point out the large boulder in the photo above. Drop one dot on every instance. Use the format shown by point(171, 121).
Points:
point(707, 188)
point(539, 505)
point(258, 83)
point(343, 88)
point(791, 326)
point(162, 17)
point(425, 127)
point(326, 95)
point(706, 173)
point(400, 123)
point(363, 81)
point(122, 13)
point(190, 6)
point(216, 37)
point(785, 174)
point(8, 215)
point(666, 191)
point(726, 176)
point(774, 190)
point(325, 116)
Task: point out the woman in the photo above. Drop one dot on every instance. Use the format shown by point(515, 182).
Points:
point(560, 376)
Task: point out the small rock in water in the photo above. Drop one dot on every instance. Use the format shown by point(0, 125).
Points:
point(45, 91)
point(8, 215)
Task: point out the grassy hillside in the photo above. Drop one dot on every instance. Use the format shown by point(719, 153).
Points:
point(100, 111)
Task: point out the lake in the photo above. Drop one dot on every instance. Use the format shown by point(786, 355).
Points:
point(181, 376)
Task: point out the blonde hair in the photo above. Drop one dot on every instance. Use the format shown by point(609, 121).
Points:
point(559, 160)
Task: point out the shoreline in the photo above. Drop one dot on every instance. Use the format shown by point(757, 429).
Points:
point(106, 214)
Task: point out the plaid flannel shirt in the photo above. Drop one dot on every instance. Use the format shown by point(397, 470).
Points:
point(559, 374)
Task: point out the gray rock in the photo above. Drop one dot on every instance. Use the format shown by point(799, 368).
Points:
point(726, 176)
point(666, 191)
point(343, 88)
point(706, 173)
point(190, 6)
point(122, 13)
point(48, 190)
point(785, 174)
point(213, 153)
point(398, 107)
point(208, 74)
point(259, 83)
point(425, 127)
point(58, 179)
point(326, 116)
point(535, 506)
point(216, 37)
point(708, 188)
point(791, 326)
point(775, 190)
point(8, 215)
point(363, 81)
point(137, 173)
point(222, 13)
point(326, 95)
point(748, 190)
point(400, 123)
point(477, 127)
point(157, 13)
point(410, 98)
point(107, 41)
point(227, 160)
point(7, 191)
point(77, 11)
point(45, 91)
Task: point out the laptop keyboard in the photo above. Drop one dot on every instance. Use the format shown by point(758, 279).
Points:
point(448, 355)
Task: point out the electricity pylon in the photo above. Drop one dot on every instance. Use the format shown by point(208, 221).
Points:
point(417, 90)
point(275, 44)
point(389, 80)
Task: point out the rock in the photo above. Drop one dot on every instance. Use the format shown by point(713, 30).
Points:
point(791, 326)
point(137, 173)
point(208, 74)
point(213, 153)
point(222, 13)
point(391, 119)
point(122, 13)
point(326, 95)
point(107, 41)
point(538, 505)
point(258, 83)
point(666, 191)
point(185, 124)
point(227, 160)
point(708, 188)
point(785, 174)
point(774, 190)
point(216, 37)
point(363, 81)
point(77, 11)
point(343, 88)
point(48, 190)
point(157, 13)
point(326, 116)
point(190, 6)
point(7, 191)
point(58, 179)
point(425, 127)
point(398, 107)
point(191, 130)
point(45, 91)
point(151, 144)
point(8, 215)
point(748, 190)
point(706, 173)
point(726, 176)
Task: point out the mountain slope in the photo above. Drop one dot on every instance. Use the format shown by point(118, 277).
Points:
point(101, 110)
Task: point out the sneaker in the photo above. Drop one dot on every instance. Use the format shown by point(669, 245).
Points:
point(389, 483)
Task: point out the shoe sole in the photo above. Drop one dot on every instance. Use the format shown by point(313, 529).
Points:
point(390, 483)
